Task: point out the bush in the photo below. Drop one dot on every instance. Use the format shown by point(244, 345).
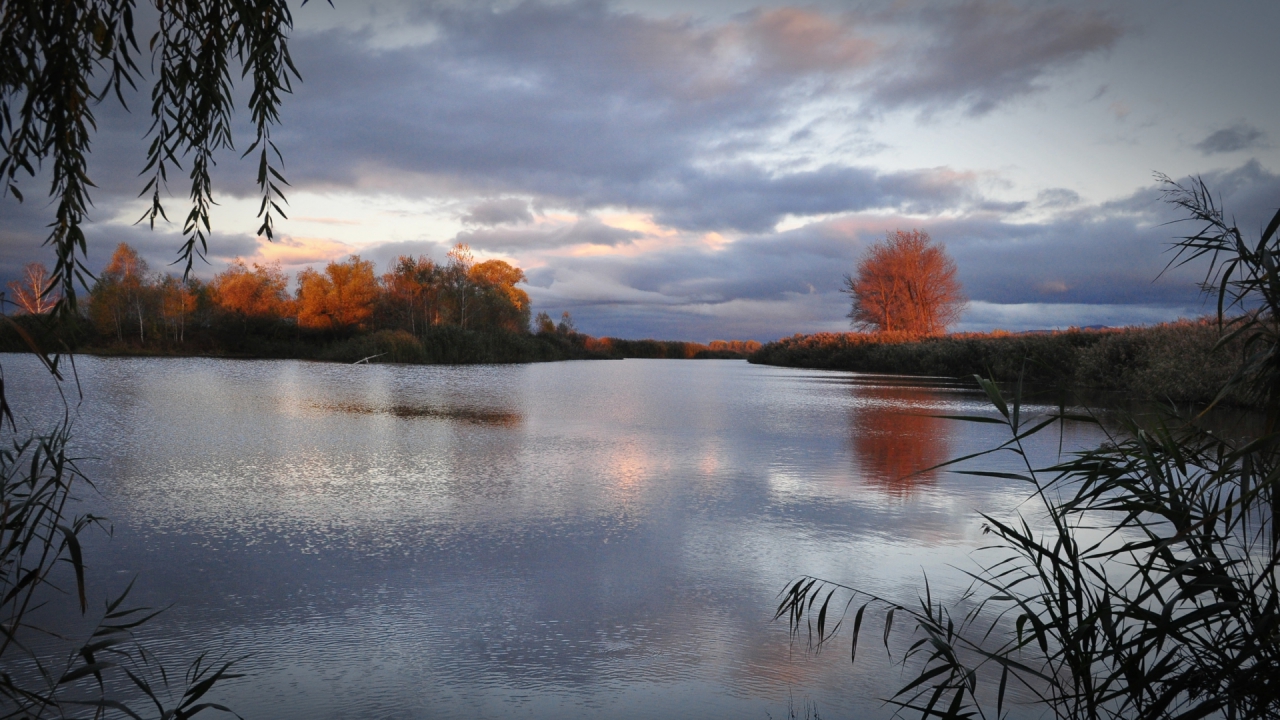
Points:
point(386, 346)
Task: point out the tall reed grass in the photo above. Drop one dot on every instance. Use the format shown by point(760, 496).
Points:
point(1142, 578)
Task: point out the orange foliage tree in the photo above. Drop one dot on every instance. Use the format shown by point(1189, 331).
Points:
point(33, 294)
point(258, 293)
point(341, 298)
point(905, 284)
point(123, 294)
point(499, 303)
point(412, 292)
point(178, 299)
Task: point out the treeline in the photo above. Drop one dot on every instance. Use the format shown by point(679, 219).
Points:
point(461, 311)
point(134, 307)
point(1171, 361)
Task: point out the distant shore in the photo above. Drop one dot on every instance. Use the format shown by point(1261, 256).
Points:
point(442, 345)
point(1174, 362)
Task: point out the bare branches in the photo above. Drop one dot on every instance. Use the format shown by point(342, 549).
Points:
point(35, 293)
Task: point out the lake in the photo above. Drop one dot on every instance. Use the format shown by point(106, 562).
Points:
point(559, 540)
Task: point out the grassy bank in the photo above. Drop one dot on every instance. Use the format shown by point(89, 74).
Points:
point(1171, 361)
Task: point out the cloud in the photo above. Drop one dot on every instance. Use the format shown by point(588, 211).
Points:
point(977, 55)
point(582, 106)
point(797, 41)
point(585, 106)
point(981, 316)
point(1240, 136)
point(293, 251)
point(499, 211)
point(1057, 198)
point(587, 230)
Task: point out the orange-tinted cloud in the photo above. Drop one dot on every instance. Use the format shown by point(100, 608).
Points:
point(294, 250)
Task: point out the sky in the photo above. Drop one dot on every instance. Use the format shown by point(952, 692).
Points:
point(698, 171)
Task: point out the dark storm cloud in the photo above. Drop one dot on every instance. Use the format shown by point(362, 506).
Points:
point(498, 211)
point(977, 55)
point(748, 198)
point(1240, 136)
point(1057, 198)
point(586, 106)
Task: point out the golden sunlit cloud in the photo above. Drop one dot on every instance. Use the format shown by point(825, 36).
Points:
point(637, 222)
point(715, 240)
point(293, 250)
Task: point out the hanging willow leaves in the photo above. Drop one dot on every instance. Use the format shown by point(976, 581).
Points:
point(58, 60)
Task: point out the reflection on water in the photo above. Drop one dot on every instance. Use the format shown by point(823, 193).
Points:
point(582, 539)
point(466, 414)
point(896, 436)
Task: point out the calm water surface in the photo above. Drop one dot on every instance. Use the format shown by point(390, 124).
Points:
point(583, 539)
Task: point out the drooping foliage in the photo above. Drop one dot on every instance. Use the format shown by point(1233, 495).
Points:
point(59, 59)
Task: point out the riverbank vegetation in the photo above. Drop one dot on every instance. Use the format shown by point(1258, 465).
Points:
point(1141, 579)
point(458, 312)
point(1176, 361)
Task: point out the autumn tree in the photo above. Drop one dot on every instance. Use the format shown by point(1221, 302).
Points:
point(457, 280)
point(412, 293)
point(543, 323)
point(123, 295)
point(905, 284)
point(34, 294)
point(259, 293)
point(499, 303)
point(178, 300)
point(341, 298)
point(566, 326)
